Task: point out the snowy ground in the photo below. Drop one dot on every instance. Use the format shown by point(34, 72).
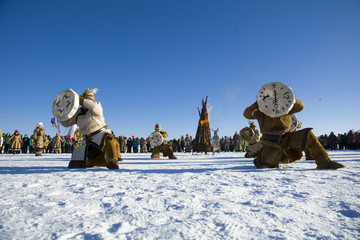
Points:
point(221, 196)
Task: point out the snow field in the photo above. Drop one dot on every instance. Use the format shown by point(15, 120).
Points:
point(221, 196)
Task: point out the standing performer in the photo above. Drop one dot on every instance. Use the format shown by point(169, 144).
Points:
point(216, 141)
point(252, 136)
point(57, 143)
point(39, 138)
point(187, 143)
point(273, 109)
point(237, 143)
point(99, 146)
point(1, 141)
point(16, 142)
point(157, 139)
point(77, 138)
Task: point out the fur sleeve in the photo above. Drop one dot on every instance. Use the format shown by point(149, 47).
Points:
point(298, 106)
point(250, 112)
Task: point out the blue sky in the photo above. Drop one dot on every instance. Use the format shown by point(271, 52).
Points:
point(154, 61)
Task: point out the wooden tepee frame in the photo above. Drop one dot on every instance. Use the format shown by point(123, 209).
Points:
point(202, 142)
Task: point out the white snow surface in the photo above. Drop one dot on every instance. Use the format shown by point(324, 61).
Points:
point(221, 196)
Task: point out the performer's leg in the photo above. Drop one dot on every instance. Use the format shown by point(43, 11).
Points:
point(319, 154)
point(156, 153)
point(292, 155)
point(111, 154)
point(307, 155)
point(269, 156)
point(168, 151)
point(118, 152)
point(38, 152)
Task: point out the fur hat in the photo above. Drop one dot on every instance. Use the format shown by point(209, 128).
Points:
point(89, 94)
point(158, 126)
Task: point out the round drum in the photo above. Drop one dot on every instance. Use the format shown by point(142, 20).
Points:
point(275, 99)
point(156, 139)
point(65, 105)
point(294, 122)
point(247, 134)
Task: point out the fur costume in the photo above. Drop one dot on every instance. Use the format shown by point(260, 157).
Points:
point(165, 148)
point(77, 138)
point(16, 142)
point(57, 143)
point(281, 145)
point(39, 138)
point(252, 136)
point(99, 146)
point(1, 141)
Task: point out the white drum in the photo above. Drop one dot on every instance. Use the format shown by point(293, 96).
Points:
point(275, 99)
point(294, 123)
point(65, 105)
point(156, 139)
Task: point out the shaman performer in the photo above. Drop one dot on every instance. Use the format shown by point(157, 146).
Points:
point(77, 138)
point(216, 141)
point(99, 146)
point(39, 138)
point(57, 143)
point(252, 136)
point(1, 141)
point(273, 109)
point(237, 142)
point(160, 144)
point(16, 142)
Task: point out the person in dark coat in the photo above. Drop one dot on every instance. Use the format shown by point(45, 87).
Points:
point(332, 140)
point(26, 143)
point(7, 142)
point(129, 144)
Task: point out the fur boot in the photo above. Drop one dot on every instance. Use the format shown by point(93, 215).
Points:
point(318, 153)
point(77, 164)
point(112, 154)
point(155, 155)
point(38, 152)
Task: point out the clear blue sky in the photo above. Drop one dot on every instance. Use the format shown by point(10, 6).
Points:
point(154, 61)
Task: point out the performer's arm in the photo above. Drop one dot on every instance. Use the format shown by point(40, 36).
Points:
point(250, 112)
point(94, 107)
point(298, 106)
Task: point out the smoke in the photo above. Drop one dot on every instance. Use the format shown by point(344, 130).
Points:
point(210, 108)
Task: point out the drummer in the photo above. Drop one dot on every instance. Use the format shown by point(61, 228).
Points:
point(252, 136)
point(164, 147)
point(273, 109)
point(99, 146)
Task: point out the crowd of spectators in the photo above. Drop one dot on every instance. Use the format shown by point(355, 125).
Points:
point(346, 141)
point(28, 144)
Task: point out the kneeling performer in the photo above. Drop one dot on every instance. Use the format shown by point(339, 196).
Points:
point(157, 140)
point(99, 146)
point(274, 106)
